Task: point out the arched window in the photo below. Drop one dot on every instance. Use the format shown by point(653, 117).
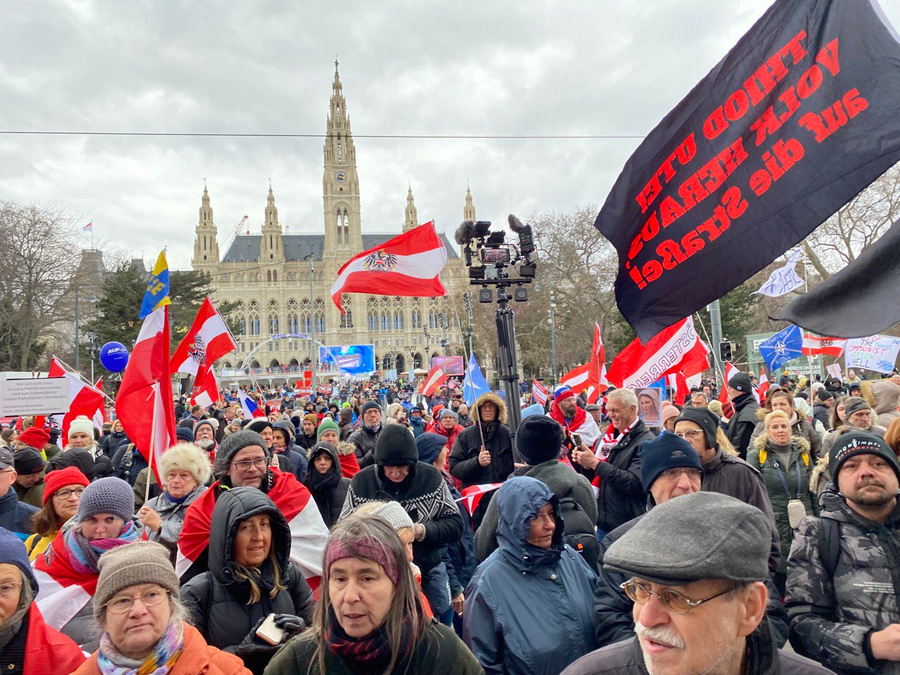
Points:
point(305, 325)
point(416, 319)
point(254, 325)
point(373, 322)
point(273, 324)
point(387, 362)
point(243, 324)
point(398, 320)
point(275, 276)
point(432, 320)
point(320, 322)
point(385, 321)
point(293, 323)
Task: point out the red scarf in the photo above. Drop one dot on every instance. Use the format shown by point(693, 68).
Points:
point(609, 440)
point(56, 563)
point(577, 420)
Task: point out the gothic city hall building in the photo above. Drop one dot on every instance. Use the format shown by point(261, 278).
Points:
point(282, 282)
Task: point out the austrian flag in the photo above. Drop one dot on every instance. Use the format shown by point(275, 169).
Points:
point(407, 265)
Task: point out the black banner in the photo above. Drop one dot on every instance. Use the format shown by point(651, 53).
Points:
point(861, 300)
point(797, 118)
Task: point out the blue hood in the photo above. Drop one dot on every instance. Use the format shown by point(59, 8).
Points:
point(518, 501)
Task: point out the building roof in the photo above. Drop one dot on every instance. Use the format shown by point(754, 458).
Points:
point(246, 248)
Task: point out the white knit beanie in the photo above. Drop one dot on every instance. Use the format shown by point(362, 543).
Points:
point(82, 424)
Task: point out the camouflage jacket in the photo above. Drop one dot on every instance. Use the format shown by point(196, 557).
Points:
point(831, 619)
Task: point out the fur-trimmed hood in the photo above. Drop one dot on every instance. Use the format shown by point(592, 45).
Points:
point(496, 400)
point(797, 441)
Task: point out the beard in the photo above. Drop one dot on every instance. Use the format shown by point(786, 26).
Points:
point(871, 498)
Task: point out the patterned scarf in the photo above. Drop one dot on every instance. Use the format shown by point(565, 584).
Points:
point(372, 652)
point(159, 662)
point(609, 440)
point(84, 554)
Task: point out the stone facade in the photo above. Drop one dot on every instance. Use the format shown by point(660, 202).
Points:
point(282, 282)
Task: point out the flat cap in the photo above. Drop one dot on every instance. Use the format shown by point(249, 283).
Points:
point(705, 535)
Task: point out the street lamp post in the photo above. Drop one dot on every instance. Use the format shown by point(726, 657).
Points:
point(553, 334)
point(312, 328)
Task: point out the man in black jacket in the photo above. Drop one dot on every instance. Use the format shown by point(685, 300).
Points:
point(822, 408)
point(743, 421)
point(616, 463)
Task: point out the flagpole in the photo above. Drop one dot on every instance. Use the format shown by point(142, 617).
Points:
point(81, 377)
point(151, 454)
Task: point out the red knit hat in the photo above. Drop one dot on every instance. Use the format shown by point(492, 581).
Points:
point(55, 480)
point(35, 438)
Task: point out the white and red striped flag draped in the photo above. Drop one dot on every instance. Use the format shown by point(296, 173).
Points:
point(205, 391)
point(409, 265)
point(730, 371)
point(208, 340)
point(597, 382)
point(436, 377)
point(144, 402)
point(84, 399)
point(539, 392)
point(763, 389)
point(473, 494)
point(677, 348)
point(577, 378)
point(678, 384)
point(827, 346)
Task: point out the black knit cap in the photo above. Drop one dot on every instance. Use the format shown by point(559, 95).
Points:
point(538, 439)
point(429, 446)
point(741, 382)
point(707, 420)
point(666, 451)
point(233, 444)
point(28, 461)
point(395, 447)
point(859, 443)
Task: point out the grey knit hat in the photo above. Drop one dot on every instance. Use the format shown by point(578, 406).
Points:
point(107, 495)
point(394, 514)
point(143, 562)
point(233, 444)
point(854, 404)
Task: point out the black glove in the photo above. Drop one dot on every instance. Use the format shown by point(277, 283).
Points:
point(253, 644)
point(289, 623)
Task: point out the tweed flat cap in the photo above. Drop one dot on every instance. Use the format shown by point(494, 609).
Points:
point(705, 535)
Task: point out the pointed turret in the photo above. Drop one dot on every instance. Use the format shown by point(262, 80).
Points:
point(271, 248)
point(206, 248)
point(469, 209)
point(412, 216)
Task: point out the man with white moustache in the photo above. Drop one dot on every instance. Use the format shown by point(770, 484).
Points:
point(696, 566)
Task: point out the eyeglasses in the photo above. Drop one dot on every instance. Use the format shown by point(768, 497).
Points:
point(691, 473)
point(65, 494)
point(691, 433)
point(147, 598)
point(8, 589)
point(673, 600)
point(245, 464)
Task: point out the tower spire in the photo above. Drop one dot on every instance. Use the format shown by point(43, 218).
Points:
point(469, 209)
point(412, 215)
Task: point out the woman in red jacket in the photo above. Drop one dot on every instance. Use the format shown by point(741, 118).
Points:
point(27, 644)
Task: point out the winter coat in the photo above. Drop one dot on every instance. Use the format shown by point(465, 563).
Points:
point(172, 514)
point(33, 496)
point(38, 649)
point(217, 600)
point(463, 458)
point(822, 413)
point(528, 609)
point(364, 441)
point(561, 479)
point(345, 423)
point(449, 435)
point(887, 399)
point(763, 656)
point(742, 423)
point(112, 441)
point(732, 476)
point(417, 424)
point(196, 658)
point(140, 487)
point(459, 557)
point(15, 516)
point(127, 463)
point(763, 457)
point(831, 618)
point(799, 427)
point(438, 650)
point(329, 491)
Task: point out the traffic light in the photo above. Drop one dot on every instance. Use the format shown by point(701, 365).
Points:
point(725, 351)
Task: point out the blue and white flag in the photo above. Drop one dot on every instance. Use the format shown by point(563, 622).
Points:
point(783, 280)
point(782, 347)
point(474, 384)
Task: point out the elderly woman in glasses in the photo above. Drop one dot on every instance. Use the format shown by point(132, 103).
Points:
point(62, 492)
point(136, 606)
point(532, 574)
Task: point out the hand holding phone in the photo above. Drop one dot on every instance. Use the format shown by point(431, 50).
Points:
point(269, 632)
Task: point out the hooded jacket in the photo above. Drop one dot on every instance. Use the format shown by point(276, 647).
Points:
point(497, 439)
point(799, 427)
point(886, 398)
point(345, 423)
point(217, 599)
point(528, 609)
point(295, 454)
point(742, 423)
point(329, 490)
point(831, 618)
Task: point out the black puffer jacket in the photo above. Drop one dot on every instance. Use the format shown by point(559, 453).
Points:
point(364, 439)
point(217, 599)
point(329, 490)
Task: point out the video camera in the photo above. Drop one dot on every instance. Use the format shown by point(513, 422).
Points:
point(491, 260)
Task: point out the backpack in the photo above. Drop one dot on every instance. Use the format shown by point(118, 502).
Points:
point(829, 544)
point(580, 532)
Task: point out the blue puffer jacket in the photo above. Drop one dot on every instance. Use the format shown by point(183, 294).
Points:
point(528, 609)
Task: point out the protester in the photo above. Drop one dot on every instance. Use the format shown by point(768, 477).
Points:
point(615, 462)
point(696, 566)
point(572, 418)
point(329, 433)
point(81, 437)
point(885, 402)
point(306, 438)
point(824, 402)
point(15, 516)
point(29, 485)
point(447, 427)
point(533, 573)
point(39, 439)
point(62, 492)
point(186, 471)
point(67, 571)
point(136, 606)
point(858, 416)
point(667, 416)
point(324, 481)
point(345, 423)
point(784, 463)
point(365, 437)
point(370, 618)
point(838, 416)
point(416, 423)
point(841, 588)
point(111, 441)
point(250, 576)
point(781, 399)
point(743, 422)
point(27, 644)
point(283, 447)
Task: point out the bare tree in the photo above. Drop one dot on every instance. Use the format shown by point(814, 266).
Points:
point(40, 256)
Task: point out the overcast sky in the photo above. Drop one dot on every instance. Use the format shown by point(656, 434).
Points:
point(460, 68)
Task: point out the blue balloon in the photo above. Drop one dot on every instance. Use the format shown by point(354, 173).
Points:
point(114, 356)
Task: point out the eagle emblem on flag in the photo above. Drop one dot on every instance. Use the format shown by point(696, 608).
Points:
point(379, 261)
point(197, 351)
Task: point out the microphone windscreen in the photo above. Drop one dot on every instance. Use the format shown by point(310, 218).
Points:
point(515, 224)
point(464, 232)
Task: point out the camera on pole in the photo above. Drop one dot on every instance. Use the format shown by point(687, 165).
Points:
point(507, 266)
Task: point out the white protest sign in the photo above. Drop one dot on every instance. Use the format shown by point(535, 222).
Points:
point(878, 353)
point(835, 370)
point(44, 396)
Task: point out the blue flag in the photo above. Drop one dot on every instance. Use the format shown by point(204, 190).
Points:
point(474, 384)
point(157, 293)
point(782, 347)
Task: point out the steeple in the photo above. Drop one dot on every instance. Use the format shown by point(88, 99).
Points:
point(412, 216)
point(469, 210)
point(271, 248)
point(206, 248)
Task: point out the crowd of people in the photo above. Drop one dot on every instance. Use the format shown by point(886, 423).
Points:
point(367, 529)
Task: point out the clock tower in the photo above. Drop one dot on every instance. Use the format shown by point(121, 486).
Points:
point(340, 182)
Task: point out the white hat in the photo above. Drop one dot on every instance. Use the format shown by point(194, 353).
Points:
point(81, 424)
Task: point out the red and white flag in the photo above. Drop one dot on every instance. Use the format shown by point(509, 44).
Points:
point(827, 346)
point(539, 392)
point(763, 387)
point(407, 265)
point(208, 340)
point(206, 388)
point(144, 403)
point(473, 494)
point(84, 399)
point(730, 371)
point(677, 348)
point(436, 377)
point(597, 382)
point(678, 384)
point(577, 379)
